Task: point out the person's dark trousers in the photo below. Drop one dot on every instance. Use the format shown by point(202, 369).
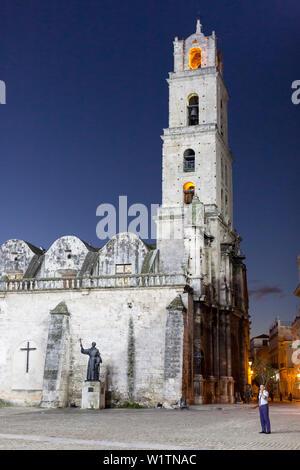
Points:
point(264, 418)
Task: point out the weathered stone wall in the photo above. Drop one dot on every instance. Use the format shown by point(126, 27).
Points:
point(188, 350)
point(23, 318)
point(123, 248)
point(15, 256)
point(95, 315)
point(181, 86)
point(66, 255)
point(57, 361)
point(70, 256)
point(173, 358)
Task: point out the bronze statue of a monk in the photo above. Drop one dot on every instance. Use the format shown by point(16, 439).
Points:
point(95, 360)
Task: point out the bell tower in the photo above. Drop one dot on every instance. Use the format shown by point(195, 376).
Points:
point(196, 160)
point(195, 233)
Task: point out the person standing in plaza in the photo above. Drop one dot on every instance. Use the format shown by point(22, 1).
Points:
point(264, 410)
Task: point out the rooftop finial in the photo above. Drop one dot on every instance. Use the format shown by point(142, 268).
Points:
point(199, 25)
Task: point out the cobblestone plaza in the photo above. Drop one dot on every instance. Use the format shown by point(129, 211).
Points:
point(211, 427)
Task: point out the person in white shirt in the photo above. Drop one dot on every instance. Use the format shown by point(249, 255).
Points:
point(264, 410)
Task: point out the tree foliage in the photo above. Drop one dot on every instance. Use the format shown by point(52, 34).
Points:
point(264, 373)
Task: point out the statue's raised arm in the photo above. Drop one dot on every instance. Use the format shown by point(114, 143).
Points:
point(83, 351)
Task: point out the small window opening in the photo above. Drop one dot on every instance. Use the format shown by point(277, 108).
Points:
point(189, 160)
point(193, 110)
point(14, 256)
point(123, 268)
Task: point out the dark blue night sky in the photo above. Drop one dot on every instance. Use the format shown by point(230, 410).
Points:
point(87, 101)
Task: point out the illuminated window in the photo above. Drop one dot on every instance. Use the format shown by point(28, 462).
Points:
point(195, 58)
point(189, 160)
point(13, 276)
point(188, 191)
point(193, 110)
point(123, 268)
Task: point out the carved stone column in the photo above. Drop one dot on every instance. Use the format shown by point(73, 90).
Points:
point(222, 339)
point(215, 371)
point(211, 389)
point(230, 390)
point(230, 384)
point(222, 358)
point(198, 389)
point(212, 332)
point(198, 359)
point(242, 356)
point(228, 344)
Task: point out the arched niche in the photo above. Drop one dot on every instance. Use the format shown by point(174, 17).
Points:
point(195, 58)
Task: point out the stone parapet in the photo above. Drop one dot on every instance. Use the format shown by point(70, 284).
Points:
point(93, 282)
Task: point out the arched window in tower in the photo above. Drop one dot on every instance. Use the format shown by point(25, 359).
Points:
point(195, 58)
point(189, 160)
point(188, 191)
point(193, 110)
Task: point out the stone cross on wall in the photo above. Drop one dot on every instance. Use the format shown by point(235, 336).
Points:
point(28, 349)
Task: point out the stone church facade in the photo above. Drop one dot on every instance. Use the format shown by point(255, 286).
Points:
point(170, 320)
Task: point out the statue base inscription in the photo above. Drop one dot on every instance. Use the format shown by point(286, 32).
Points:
point(93, 395)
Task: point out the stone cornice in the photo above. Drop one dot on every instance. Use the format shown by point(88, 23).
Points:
point(190, 74)
point(189, 130)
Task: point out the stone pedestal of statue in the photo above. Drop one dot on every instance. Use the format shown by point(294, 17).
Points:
point(93, 395)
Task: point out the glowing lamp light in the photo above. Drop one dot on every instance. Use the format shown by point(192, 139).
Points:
point(188, 189)
point(195, 58)
point(189, 186)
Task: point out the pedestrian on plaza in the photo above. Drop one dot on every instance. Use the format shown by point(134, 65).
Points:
point(271, 396)
point(280, 396)
point(290, 397)
point(264, 410)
